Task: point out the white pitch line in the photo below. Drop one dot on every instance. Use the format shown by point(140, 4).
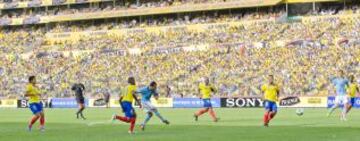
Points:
point(98, 122)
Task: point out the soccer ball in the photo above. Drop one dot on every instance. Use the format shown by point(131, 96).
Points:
point(299, 111)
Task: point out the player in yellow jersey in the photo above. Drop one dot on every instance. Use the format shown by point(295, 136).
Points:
point(126, 100)
point(205, 89)
point(271, 93)
point(35, 104)
point(352, 90)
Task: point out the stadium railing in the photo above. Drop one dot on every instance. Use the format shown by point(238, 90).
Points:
point(139, 12)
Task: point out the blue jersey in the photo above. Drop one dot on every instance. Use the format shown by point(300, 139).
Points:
point(340, 85)
point(146, 93)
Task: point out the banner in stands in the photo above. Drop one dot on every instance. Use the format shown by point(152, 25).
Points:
point(8, 103)
point(242, 102)
point(24, 103)
point(331, 102)
point(306, 102)
point(66, 103)
point(193, 102)
point(76, 36)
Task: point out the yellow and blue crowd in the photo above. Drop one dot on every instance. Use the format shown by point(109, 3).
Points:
point(302, 56)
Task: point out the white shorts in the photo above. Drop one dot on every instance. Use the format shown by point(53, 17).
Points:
point(341, 99)
point(148, 107)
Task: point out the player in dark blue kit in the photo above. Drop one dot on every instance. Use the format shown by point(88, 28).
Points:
point(80, 99)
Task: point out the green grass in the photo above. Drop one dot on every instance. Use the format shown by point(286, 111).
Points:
point(235, 124)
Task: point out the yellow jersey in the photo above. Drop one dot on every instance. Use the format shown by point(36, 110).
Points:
point(128, 93)
point(206, 90)
point(35, 92)
point(353, 87)
point(270, 92)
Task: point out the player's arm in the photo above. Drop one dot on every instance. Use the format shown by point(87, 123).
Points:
point(262, 88)
point(136, 99)
point(27, 93)
point(213, 89)
point(199, 93)
point(277, 93)
point(122, 108)
point(156, 95)
point(120, 99)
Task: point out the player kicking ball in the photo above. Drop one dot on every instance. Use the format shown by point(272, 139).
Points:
point(352, 90)
point(35, 105)
point(146, 93)
point(126, 100)
point(205, 89)
point(271, 93)
point(340, 83)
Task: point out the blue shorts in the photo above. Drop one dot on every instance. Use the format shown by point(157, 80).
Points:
point(128, 109)
point(36, 107)
point(352, 101)
point(270, 106)
point(207, 103)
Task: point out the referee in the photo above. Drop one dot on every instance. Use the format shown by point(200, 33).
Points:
point(79, 94)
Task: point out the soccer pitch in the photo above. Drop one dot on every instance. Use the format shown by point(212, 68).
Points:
point(235, 124)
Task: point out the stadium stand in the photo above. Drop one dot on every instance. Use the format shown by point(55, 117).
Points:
point(235, 50)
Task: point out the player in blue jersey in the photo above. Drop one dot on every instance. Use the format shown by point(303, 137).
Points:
point(340, 83)
point(146, 94)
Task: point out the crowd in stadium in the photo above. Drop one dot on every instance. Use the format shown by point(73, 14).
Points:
point(236, 58)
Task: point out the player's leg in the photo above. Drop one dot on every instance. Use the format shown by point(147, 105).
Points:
point(33, 119)
point(207, 104)
point(344, 109)
point(157, 113)
point(336, 105)
point(267, 106)
point(82, 108)
point(42, 121)
point(200, 112)
point(149, 114)
point(132, 120)
point(350, 104)
point(36, 109)
point(42, 116)
point(273, 111)
point(213, 115)
point(128, 113)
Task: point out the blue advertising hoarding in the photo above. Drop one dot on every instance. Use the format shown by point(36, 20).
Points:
point(331, 102)
point(193, 102)
point(66, 103)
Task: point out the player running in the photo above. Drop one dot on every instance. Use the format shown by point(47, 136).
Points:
point(126, 100)
point(35, 105)
point(205, 89)
point(352, 90)
point(79, 89)
point(340, 83)
point(271, 93)
point(146, 93)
